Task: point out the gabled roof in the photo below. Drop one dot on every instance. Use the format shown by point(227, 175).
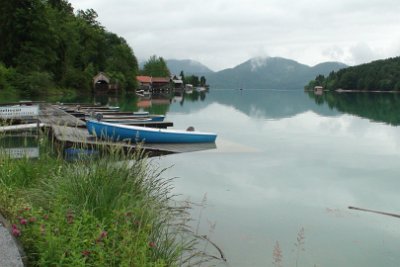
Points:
point(101, 77)
point(143, 79)
point(160, 79)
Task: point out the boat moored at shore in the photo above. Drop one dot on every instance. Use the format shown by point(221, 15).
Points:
point(118, 132)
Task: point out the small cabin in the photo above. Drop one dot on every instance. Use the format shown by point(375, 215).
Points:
point(144, 82)
point(159, 83)
point(101, 82)
point(177, 82)
point(318, 90)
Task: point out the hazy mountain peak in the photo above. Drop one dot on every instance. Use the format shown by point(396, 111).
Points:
point(188, 66)
point(258, 62)
point(270, 73)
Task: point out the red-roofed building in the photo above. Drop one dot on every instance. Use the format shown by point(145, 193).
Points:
point(144, 80)
point(153, 82)
point(159, 82)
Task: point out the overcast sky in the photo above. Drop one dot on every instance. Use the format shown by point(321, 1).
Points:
point(224, 33)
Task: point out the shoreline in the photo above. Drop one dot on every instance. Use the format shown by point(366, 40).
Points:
point(354, 91)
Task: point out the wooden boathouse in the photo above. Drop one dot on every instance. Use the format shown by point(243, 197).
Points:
point(102, 84)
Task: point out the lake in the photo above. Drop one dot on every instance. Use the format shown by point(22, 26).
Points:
point(287, 166)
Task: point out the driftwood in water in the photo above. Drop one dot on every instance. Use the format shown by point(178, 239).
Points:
point(375, 211)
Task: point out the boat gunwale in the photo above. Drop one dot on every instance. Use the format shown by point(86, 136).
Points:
point(148, 129)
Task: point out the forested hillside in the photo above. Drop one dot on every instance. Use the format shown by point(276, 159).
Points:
point(46, 46)
point(381, 75)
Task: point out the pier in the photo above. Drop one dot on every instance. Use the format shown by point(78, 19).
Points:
point(67, 127)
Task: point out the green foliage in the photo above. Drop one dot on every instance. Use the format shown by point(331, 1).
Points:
point(156, 67)
point(113, 210)
point(381, 75)
point(6, 76)
point(68, 49)
point(195, 81)
point(34, 83)
point(382, 107)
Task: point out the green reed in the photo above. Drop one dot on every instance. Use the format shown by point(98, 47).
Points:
point(114, 209)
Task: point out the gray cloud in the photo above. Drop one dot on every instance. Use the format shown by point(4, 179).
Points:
point(224, 33)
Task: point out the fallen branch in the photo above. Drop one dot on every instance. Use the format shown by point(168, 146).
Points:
point(375, 211)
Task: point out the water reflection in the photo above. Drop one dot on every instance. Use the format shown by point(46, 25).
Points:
point(286, 161)
point(381, 107)
point(19, 146)
point(299, 165)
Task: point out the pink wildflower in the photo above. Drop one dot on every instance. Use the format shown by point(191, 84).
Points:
point(15, 231)
point(23, 221)
point(103, 234)
point(152, 244)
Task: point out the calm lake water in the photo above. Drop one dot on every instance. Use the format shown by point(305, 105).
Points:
point(286, 167)
point(286, 162)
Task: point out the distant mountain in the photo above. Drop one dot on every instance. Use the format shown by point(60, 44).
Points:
point(269, 73)
point(187, 66)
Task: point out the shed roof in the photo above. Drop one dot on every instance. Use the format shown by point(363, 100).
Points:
point(160, 79)
point(101, 77)
point(143, 79)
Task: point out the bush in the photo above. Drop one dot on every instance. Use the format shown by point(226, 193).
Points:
point(112, 210)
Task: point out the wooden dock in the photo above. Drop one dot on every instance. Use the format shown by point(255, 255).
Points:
point(71, 131)
point(53, 116)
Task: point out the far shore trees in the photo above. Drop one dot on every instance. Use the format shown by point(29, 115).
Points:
point(47, 47)
point(155, 67)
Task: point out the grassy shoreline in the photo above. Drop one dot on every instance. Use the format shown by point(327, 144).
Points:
point(113, 210)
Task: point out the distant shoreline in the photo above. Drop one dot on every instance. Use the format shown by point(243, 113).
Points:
point(355, 91)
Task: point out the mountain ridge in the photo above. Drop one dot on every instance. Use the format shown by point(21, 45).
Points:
point(256, 73)
point(270, 73)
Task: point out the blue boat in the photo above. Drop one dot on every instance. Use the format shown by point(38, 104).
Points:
point(119, 132)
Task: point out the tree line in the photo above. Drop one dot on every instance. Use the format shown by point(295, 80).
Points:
point(46, 45)
point(380, 75)
point(157, 67)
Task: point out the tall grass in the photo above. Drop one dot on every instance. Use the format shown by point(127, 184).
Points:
point(111, 210)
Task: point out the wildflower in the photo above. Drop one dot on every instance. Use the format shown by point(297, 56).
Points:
point(103, 235)
point(32, 219)
point(42, 228)
point(46, 216)
point(15, 231)
point(277, 255)
point(70, 217)
point(152, 244)
point(23, 221)
point(85, 253)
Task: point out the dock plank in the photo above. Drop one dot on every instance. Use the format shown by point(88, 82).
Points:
point(51, 115)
